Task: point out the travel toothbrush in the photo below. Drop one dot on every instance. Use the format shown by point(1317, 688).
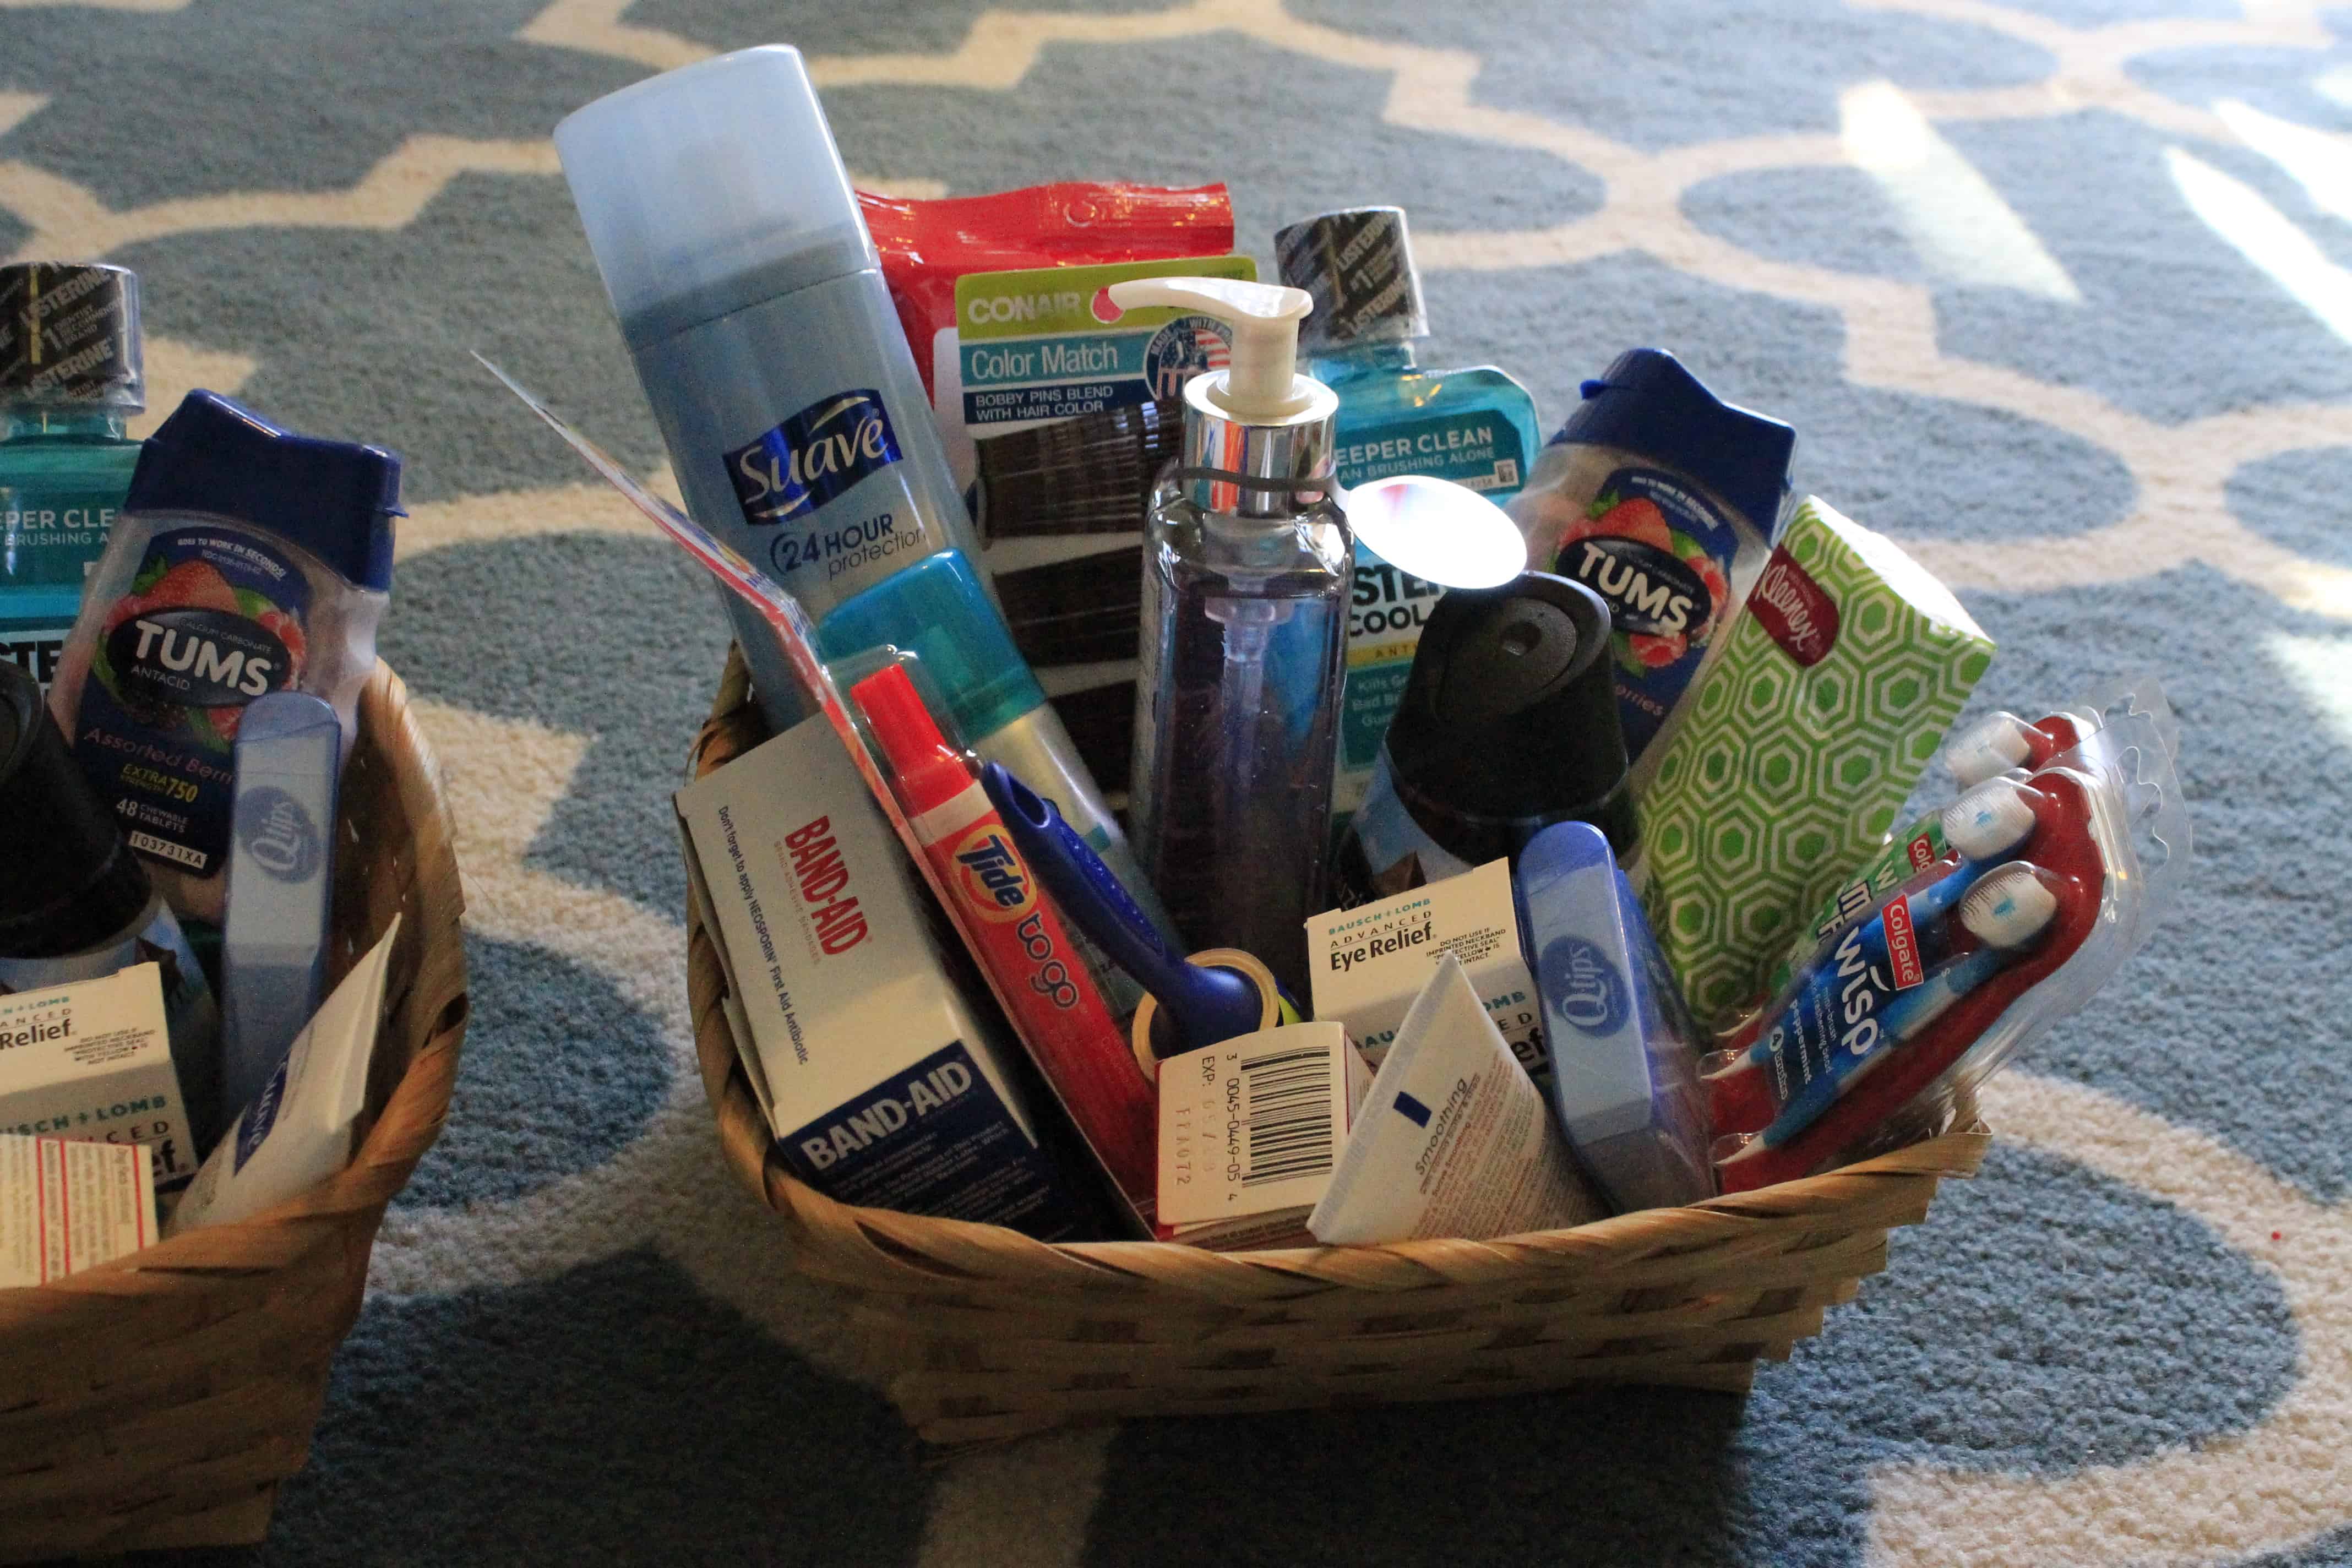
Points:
point(1911, 930)
point(1860, 1012)
point(2004, 741)
point(1206, 1005)
point(281, 880)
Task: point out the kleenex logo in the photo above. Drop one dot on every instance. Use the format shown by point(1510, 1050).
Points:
point(814, 455)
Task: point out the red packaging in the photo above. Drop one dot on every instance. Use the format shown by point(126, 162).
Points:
point(1018, 937)
point(927, 245)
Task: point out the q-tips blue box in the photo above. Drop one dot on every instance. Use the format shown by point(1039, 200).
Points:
point(1625, 1053)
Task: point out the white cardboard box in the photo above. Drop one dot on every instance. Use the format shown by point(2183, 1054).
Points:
point(883, 1085)
point(1368, 963)
point(1250, 1129)
point(92, 1060)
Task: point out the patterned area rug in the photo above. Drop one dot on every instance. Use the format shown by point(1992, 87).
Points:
point(2057, 292)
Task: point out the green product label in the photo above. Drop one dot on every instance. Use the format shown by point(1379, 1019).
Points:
point(1479, 451)
point(1801, 742)
point(1047, 343)
point(53, 538)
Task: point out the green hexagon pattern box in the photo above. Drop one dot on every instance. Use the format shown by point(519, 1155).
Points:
point(1784, 766)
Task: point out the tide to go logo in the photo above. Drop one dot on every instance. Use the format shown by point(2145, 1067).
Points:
point(990, 878)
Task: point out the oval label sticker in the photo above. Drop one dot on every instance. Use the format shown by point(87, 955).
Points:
point(1794, 610)
point(196, 659)
point(1651, 591)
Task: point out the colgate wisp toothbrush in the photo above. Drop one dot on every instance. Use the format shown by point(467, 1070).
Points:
point(2004, 741)
point(2070, 865)
point(1854, 1017)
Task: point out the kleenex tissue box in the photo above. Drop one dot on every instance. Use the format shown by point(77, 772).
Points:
point(1624, 1057)
point(1370, 961)
point(883, 1085)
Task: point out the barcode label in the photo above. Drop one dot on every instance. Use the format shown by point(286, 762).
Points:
point(1286, 1116)
point(1254, 1127)
point(147, 843)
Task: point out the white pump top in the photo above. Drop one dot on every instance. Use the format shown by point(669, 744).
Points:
point(1260, 384)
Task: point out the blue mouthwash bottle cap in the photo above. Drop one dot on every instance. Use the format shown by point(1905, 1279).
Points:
point(1647, 402)
point(334, 499)
point(938, 610)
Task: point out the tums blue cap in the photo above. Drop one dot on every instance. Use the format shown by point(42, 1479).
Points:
point(1647, 402)
point(334, 499)
point(937, 611)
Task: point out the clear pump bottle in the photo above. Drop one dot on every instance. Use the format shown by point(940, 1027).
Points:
point(1247, 560)
point(70, 380)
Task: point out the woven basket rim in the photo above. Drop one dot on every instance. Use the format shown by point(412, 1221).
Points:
point(856, 1239)
point(407, 1126)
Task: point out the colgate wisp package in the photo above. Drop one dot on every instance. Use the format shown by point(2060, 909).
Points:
point(2050, 882)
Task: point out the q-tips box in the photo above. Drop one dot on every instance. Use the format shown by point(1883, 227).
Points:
point(1370, 961)
point(881, 1082)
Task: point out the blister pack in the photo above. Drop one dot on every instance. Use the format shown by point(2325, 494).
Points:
point(2041, 885)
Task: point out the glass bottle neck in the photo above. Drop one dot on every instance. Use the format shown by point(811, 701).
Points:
point(63, 422)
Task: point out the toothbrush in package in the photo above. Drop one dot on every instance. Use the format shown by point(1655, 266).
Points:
point(2048, 883)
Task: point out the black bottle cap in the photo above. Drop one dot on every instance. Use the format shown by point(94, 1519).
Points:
point(1510, 713)
point(69, 333)
point(67, 881)
point(1357, 263)
point(334, 499)
point(1647, 402)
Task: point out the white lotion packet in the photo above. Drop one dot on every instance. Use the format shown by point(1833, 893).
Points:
point(298, 1130)
point(1455, 1139)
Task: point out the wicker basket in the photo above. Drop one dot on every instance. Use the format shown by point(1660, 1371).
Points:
point(159, 1400)
point(979, 1333)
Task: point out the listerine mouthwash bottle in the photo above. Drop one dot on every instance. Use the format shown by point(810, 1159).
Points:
point(69, 379)
point(1476, 426)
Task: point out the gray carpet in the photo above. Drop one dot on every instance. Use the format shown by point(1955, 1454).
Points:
point(2058, 293)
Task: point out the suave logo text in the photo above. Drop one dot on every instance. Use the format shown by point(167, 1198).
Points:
point(812, 456)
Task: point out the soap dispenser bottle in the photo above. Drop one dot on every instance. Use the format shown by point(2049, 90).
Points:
point(1476, 426)
point(1247, 563)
